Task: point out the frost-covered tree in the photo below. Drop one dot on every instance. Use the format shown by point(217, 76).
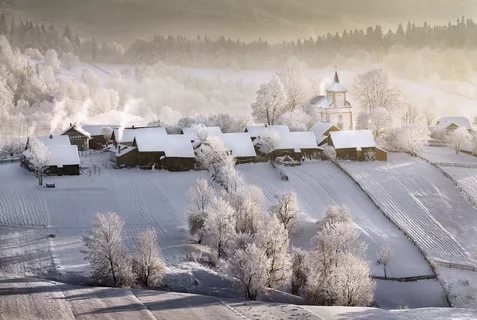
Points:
point(410, 137)
point(39, 157)
point(268, 142)
point(270, 102)
point(300, 271)
point(296, 84)
point(379, 121)
point(105, 251)
point(247, 202)
point(458, 138)
point(201, 196)
point(250, 267)
point(329, 152)
point(147, 262)
point(51, 59)
point(219, 227)
point(226, 122)
point(273, 238)
point(296, 120)
point(384, 256)
point(286, 209)
point(373, 90)
point(337, 244)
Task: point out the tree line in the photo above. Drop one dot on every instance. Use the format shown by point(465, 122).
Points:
point(224, 51)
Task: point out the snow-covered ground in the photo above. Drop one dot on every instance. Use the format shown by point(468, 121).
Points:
point(158, 199)
point(31, 298)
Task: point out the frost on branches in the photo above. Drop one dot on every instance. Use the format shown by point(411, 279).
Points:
point(247, 203)
point(39, 158)
point(340, 276)
point(105, 251)
point(201, 196)
point(147, 263)
point(286, 210)
point(270, 103)
point(458, 138)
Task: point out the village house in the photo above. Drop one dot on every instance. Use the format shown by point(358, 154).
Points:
point(125, 136)
point(297, 145)
point(100, 135)
point(257, 131)
point(240, 146)
point(333, 107)
point(191, 133)
point(78, 136)
point(356, 145)
point(63, 158)
point(322, 131)
point(447, 125)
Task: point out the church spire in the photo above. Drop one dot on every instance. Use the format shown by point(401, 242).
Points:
point(337, 79)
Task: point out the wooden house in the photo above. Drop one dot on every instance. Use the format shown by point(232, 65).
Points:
point(78, 136)
point(297, 145)
point(191, 133)
point(447, 125)
point(356, 145)
point(240, 146)
point(257, 131)
point(100, 135)
point(125, 136)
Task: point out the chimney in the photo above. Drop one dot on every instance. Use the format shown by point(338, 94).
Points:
point(51, 136)
point(133, 127)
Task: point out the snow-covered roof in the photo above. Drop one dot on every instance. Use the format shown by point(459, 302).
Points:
point(177, 146)
point(320, 101)
point(349, 139)
point(97, 129)
point(78, 129)
point(239, 143)
point(173, 145)
point(61, 155)
point(462, 122)
point(127, 135)
point(261, 130)
point(191, 133)
point(121, 149)
point(55, 140)
point(336, 86)
point(320, 128)
point(297, 140)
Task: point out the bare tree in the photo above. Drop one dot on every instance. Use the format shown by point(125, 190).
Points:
point(105, 250)
point(458, 138)
point(384, 256)
point(250, 266)
point(247, 202)
point(287, 209)
point(297, 86)
point(147, 263)
point(300, 270)
point(39, 158)
point(373, 90)
point(430, 117)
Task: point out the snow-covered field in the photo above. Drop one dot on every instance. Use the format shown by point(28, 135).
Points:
point(158, 199)
point(31, 298)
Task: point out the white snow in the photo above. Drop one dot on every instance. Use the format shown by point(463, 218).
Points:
point(97, 129)
point(177, 145)
point(320, 128)
point(349, 139)
point(78, 129)
point(297, 140)
point(260, 130)
point(445, 122)
point(239, 143)
point(127, 135)
point(63, 155)
point(55, 140)
point(191, 133)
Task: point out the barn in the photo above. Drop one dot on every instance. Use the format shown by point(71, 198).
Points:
point(297, 145)
point(124, 156)
point(100, 135)
point(240, 146)
point(257, 131)
point(78, 136)
point(356, 145)
point(125, 136)
point(63, 157)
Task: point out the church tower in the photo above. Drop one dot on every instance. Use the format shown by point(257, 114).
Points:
point(333, 107)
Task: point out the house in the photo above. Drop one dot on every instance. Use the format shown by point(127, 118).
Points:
point(123, 156)
point(240, 145)
point(173, 152)
point(333, 107)
point(99, 135)
point(125, 136)
point(191, 133)
point(356, 145)
point(449, 124)
point(256, 131)
point(63, 158)
point(78, 136)
point(322, 131)
point(297, 145)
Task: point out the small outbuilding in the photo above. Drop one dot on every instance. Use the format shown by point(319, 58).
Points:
point(356, 145)
point(322, 131)
point(449, 124)
point(297, 145)
point(100, 135)
point(240, 146)
point(77, 136)
point(257, 131)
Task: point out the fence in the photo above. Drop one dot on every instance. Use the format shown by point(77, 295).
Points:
point(9, 160)
point(405, 279)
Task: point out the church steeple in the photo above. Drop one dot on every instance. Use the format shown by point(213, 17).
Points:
point(336, 79)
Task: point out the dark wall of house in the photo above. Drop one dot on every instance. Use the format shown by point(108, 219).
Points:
point(313, 153)
point(77, 139)
point(128, 159)
point(348, 154)
point(241, 160)
point(97, 142)
point(148, 159)
point(69, 170)
point(178, 164)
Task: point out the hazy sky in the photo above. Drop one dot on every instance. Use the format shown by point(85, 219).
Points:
point(271, 19)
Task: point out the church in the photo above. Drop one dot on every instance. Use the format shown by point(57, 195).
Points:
point(333, 107)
